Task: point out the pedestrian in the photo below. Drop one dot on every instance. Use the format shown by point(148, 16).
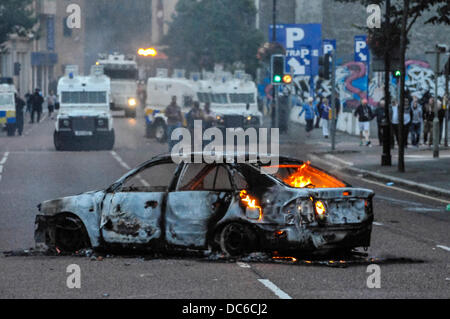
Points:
point(195, 114)
point(407, 116)
point(174, 120)
point(51, 101)
point(317, 111)
point(428, 116)
point(308, 109)
point(441, 117)
point(36, 104)
point(393, 110)
point(325, 115)
point(380, 115)
point(364, 114)
point(210, 117)
point(20, 105)
point(416, 121)
point(28, 101)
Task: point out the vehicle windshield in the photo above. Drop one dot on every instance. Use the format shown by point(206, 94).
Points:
point(6, 99)
point(119, 74)
point(242, 98)
point(84, 97)
point(303, 175)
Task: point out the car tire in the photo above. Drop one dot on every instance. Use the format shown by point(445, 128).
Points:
point(110, 140)
point(70, 233)
point(57, 141)
point(161, 132)
point(237, 239)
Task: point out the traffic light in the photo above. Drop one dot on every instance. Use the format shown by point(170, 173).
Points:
point(17, 68)
point(397, 74)
point(287, 79)
point(325, 66)
point(277, 64)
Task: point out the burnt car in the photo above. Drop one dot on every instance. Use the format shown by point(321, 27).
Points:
point(231, 207)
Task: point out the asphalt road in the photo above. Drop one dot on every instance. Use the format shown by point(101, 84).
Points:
point(410, 240)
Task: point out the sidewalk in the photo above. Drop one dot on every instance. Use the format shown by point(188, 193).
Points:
point(423, 172)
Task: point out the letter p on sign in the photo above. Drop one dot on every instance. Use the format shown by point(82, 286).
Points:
point(293, 35)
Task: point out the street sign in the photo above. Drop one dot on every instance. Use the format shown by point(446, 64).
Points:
point(362, 53)
point(329, 45)
point(303, 44)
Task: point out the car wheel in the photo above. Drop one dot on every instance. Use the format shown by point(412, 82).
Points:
point(161, 132)
point(70, 234)
point(237, 239)
point(110, 140)
point(57, 141)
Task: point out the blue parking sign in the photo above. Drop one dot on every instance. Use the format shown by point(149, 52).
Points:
point(303, 44)
point(329, 45)
point(362, 53)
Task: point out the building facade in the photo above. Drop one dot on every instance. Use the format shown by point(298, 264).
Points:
point(44, 56)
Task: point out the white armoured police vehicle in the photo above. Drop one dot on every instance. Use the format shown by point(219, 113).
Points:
point(233, 99)
point(7, 106)
point(84, 118)
point(123, 72)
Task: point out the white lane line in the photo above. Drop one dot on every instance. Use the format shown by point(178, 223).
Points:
point(127, 167)
point(443, 247)
point(120, 160)
point(2, 162)
point(277, 291)
point(377, 224)
point(243, 265)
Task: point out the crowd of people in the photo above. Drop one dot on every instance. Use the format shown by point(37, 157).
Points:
point(33, 105)
point(417, 119)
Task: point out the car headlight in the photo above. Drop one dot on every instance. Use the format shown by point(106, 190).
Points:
point(302, 207)
point(132, 102)
point(321, 210)
point(65, 123)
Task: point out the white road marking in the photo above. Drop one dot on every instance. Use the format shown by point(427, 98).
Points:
point(2, 162)
point(277, 291)
point(443, 247)
point(127, 167)
point(377, 224)
point(120, 160)
point(335, 158)
point(243, 265)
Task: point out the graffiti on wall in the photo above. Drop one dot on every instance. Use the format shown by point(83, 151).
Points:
point(351, 83)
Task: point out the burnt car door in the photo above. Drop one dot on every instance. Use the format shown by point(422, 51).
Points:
point(201, 198)
point(132, 213)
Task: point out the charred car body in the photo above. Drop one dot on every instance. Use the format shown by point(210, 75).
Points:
point(232, 207)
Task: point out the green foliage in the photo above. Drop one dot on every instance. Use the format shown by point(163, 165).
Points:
point(16, 16)
point(206, 32)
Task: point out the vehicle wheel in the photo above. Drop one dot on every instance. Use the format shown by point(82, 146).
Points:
point(237, 239)
point(57, 141)
point(110, 140)
point(161, 132)
point(11, 130)
point(70, 234)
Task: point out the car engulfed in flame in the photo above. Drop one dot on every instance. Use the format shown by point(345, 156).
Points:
point(231, 207)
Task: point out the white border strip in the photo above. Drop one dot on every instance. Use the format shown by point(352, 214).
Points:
point(443, 247)
point(277, 291)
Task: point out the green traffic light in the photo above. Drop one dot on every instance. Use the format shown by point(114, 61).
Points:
point(398, 73)
point(277, 79)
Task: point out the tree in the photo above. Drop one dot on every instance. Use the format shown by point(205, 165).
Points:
point(16, 17)
point(204, 33)
point(404, 13)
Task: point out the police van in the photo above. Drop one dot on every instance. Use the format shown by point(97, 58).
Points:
point(7, 106)
point(84, 119)
point(233, 99)
point(123, 73)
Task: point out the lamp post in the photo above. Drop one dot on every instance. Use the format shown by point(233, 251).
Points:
point(386, 158)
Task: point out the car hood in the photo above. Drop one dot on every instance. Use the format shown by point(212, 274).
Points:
point(73, 204)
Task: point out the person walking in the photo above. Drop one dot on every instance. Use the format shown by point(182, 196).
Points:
point(325, 115)
point(441, 118)
point(36, 105)
point(308, 109)
point(174, 120)
point(428, 116)
point(416, 122)
point(20, 105)
point(317, 111)
point(395, 123)
point(209, 117)
point(407, 116)
point(364, 114)
point(380, 115)
point(51, 101)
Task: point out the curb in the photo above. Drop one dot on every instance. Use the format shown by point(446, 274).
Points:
point(386, 178)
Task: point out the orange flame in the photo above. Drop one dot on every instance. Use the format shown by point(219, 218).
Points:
point(298, 179)
point(250, 202)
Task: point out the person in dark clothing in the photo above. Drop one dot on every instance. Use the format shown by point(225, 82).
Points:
point(36, 103)
point(28, 100)
point(441, 117)
point(428, 116)
point(380, 114)
point(174, 120)
point(318, 111)
point(364, 114)
point(20, 105)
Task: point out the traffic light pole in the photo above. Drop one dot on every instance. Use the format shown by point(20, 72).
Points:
point(436, 131)
point(333, 101)
point(386, 158)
